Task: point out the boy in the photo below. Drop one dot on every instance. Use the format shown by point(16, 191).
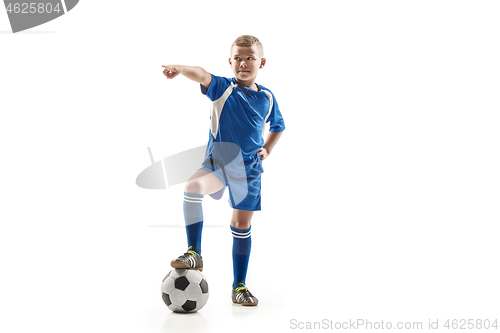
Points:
point(240, 109)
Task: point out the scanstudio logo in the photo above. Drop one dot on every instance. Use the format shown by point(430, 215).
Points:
point(28, 14)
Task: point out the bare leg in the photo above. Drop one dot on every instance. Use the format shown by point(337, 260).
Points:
point(203, 182)
point(241, 219)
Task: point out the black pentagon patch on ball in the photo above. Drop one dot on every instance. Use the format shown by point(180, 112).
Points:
point(181, 283)
point(189, 306)
point(166, 299)
point(204, 286)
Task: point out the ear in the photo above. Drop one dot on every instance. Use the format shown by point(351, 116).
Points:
point(262, 62)
point(230, 63)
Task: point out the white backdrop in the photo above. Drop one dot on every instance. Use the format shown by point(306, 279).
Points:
point(380, 201)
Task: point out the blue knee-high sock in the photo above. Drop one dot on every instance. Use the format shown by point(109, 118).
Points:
point(193, 216)
point(242, 243)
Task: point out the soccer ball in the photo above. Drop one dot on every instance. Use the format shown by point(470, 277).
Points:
point(184, 290)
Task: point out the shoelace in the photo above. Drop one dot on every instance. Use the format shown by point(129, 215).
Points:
point(187, 255)
point(245, 291)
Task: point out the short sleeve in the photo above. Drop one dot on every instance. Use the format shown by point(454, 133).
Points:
point(217, 87)
point(277, 124)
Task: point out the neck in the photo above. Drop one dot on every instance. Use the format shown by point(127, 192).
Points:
point(249, 84)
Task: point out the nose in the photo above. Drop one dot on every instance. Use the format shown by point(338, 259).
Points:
point(242, 64)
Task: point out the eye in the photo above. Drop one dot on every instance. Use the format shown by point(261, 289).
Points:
point(236, 58)
point(250, 58)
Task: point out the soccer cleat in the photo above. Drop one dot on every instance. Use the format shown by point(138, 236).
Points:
point(190, 259)
point(241, 295)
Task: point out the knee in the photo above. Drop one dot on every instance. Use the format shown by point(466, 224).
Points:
point(240, 224)
point(194, 186)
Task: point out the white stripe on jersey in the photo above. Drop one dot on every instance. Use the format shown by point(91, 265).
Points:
point(216, 109)
point(270, 96)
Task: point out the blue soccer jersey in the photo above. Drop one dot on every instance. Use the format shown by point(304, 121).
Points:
point(239, 114)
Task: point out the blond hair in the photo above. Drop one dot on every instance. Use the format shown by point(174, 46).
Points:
point(249, 40)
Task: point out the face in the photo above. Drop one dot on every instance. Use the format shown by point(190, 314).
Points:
point(245, 62)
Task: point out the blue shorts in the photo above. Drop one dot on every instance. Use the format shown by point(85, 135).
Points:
point(242, 179)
